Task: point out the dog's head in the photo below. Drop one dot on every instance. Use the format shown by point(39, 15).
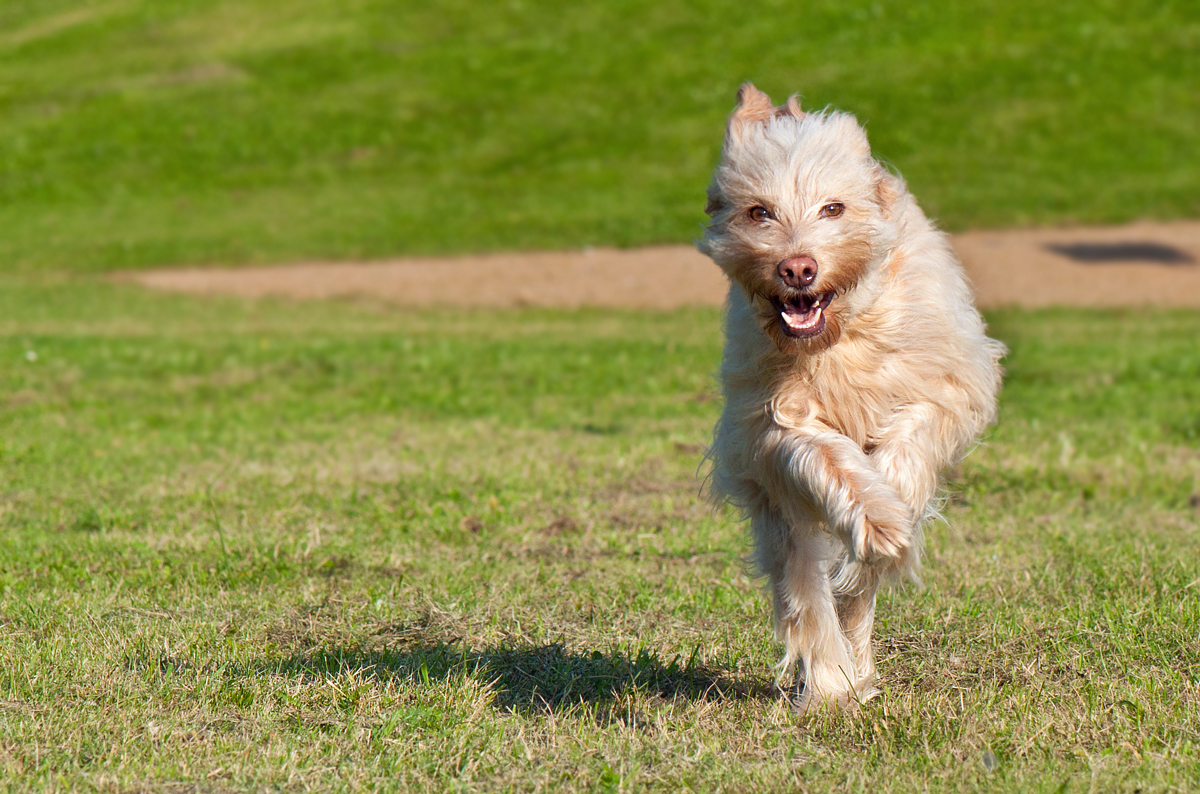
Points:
point(800, 217)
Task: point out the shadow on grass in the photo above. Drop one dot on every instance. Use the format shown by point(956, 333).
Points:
point(1104, 253)
point(542, 678)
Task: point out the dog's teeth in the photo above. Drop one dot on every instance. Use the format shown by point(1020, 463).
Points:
point(802, 323)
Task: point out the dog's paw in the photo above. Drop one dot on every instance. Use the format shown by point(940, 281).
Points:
point(885, 535)
point(809, 702)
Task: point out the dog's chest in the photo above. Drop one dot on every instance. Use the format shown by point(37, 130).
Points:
point(853, 395)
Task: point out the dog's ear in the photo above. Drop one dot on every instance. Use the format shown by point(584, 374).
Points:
point(753, 107)
point(792, 108)
point(855, 135)
point(849, 132)
point(715, 203)
point(889, 189)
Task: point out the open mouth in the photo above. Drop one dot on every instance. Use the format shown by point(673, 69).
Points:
point(803, 316)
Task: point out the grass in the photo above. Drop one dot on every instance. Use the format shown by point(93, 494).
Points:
point(150, 132)
point(253, 546)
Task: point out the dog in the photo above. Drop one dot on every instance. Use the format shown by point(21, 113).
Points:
point(855, 370)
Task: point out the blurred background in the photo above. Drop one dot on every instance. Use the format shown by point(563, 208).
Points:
point(152, 132)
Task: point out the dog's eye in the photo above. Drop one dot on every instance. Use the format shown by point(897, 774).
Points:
point(832, 210)
point(759, 214)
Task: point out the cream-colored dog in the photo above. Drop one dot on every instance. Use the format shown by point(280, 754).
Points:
point(856, 368)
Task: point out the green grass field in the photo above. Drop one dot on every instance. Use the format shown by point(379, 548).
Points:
point(332, 547)
point(152, 132)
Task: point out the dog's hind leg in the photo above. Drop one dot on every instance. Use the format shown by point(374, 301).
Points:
point(855, 586)
point(772, 540)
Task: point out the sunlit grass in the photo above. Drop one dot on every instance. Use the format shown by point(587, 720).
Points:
point(328, 546)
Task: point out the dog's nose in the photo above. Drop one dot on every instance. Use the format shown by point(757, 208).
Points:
point(798, 271)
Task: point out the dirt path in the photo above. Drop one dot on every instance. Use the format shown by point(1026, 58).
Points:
point(1138, 264)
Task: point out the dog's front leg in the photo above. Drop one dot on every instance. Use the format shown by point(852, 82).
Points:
point(829, 472)
point(805, 613)
point(909, 452)
point(810, 479)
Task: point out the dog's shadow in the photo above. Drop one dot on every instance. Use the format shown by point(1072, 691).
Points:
point(532, 679)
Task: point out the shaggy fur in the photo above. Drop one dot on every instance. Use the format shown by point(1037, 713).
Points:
point(856, 368)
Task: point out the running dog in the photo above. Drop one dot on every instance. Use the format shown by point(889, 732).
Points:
point(856, 368)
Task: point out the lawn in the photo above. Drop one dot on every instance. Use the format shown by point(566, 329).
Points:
point(156, 132)
point(329, 546)
point(335, 546)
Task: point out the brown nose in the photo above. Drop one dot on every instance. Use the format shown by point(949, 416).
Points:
point(798, 271)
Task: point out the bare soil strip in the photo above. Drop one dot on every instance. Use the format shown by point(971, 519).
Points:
point(1138, 264)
